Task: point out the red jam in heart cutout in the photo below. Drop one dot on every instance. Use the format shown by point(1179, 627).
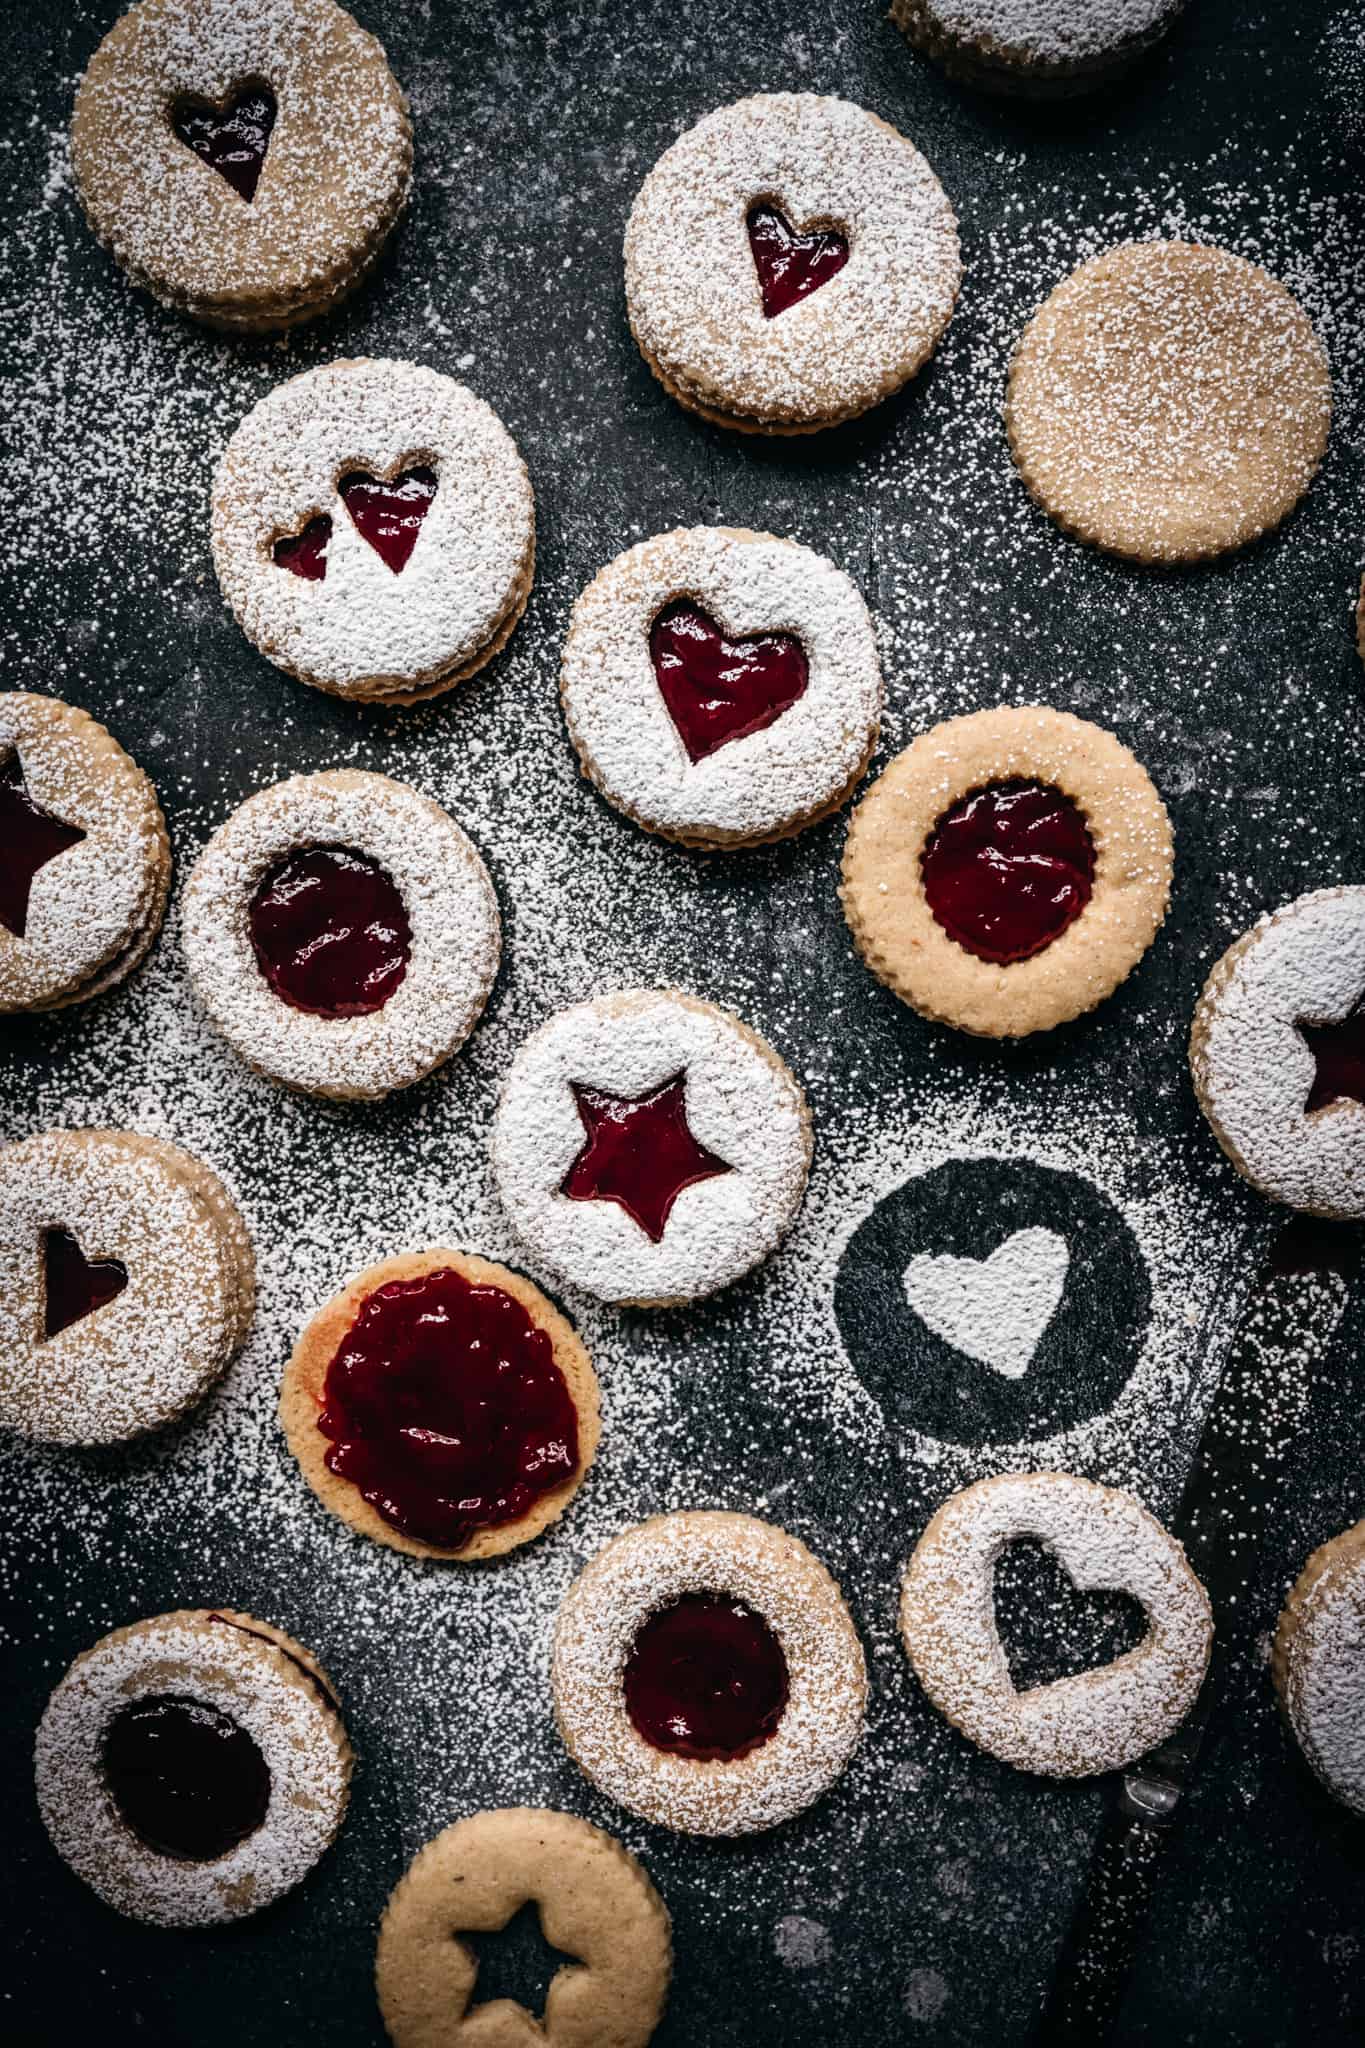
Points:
point(718, 690)
point(790, 266)
point(1007, 869)
point(1339, 1060)
point(640, 1152)
point(74, 1286)
point(234, 139)
point(389, 513)
point(29, 838)
point(330, 932)
point(184, 1777)
point(305, 553)
point(706, 1678)
point(446, 1409)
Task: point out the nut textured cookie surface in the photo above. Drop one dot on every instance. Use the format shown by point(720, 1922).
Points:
point(1036, 49)
point(595, 1903)
point(1319, 1664)
point(1168, 402)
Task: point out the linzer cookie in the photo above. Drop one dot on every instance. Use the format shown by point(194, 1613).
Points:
point(790, 261)
point(1277, 1051)
point(650, 1147)
point(193, 1768)
point(1035, 49)
point(707, 1674)
point(1169, 402)
point(1008, 870)
point(1106, 1541)
point(126, 1284)
point(596, 1904)
point(374, 530)
point(342, 933)
point(85, 864)
point(722, 687)
point(440, 1404)
point(244, 160)
point(1319, 1665)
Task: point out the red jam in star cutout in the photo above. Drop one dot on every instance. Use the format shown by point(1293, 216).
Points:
point(185, 1778)
point(1007, 869)
point(29, 839)
point(233, 138)
point(388, 512)
point(74, 1286)
point(718, 690)
point(706, 1678)
point(330, 932)
point(305, 553)
point(1339, 1061)
point(640, 1152)
point(790, 266)
point(446, 1409)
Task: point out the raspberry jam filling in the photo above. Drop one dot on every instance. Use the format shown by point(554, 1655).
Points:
point(718, 690)
point(74, 1286)
point(388, 512)
point(330, 933)
point(446, 1409)
point(1339, 1061)
point(1007, 868)
point(305, 553)
point(706, 1678)
point(29, 838)
point(184, 1776)
point(640, 1153)
point(790, 266)
point(233, 138)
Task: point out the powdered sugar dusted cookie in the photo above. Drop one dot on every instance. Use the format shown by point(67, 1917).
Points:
point(244, 160)
point(707, 1673)
point(374, 530)
point(1169, 402)
point(1107, 1541)
point(1037, 49)
point(790, 261)
point(1319, 1664)
point(722, 687)
point(650, 1147)
point(192, 1768)
point(342, 933)
point(1277, 1051)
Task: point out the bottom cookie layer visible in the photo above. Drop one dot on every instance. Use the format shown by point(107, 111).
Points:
point(973, 63)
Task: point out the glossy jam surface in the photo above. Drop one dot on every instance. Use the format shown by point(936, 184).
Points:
point(305, 553)
point(29, 839)
point(74, 1286)
point(233, 138)
point(1339, 1059)
point(706, 1678)
point(184, 1776)
point(1008, 868)
point(718, 690)
point(388, 512)
point(640, 1152)
point(790, 266)
point(445, 1407)
point(330, 932)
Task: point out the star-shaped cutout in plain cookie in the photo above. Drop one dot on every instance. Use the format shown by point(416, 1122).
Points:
point(29, 838)
point(640, 1152)
point(1338, 1060)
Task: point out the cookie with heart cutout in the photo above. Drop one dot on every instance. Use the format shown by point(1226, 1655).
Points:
point(1107, 1542)
point(243, 160)
point(790, 261)
point(373, 530)
point(1035, 49)
point(722, 687)
point(1318, 1662)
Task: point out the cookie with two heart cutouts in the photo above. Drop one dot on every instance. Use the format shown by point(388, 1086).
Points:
point(373, 530)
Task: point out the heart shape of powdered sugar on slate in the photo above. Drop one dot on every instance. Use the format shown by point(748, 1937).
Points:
point(996, 1310)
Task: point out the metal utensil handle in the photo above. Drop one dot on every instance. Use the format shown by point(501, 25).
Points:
point(1098, 1954)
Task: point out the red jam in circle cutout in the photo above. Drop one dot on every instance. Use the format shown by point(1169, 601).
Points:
point(305, 553)
point(790, 266)
point(74, 1286)
point(186, 1779)
point(330, 933)
point(706, 1678)
point(446, 1409)
point(640, 1153)
point(1339, 1060)
point(718, 690)
point(388, 512)
point(29, 838)
point(234, 138)
point(1008, 868)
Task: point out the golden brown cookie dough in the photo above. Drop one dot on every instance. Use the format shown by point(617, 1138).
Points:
point(595, 1902)
point(1168, 402)
point(883, 886)
point(1035, 49)
point(1318, 1662)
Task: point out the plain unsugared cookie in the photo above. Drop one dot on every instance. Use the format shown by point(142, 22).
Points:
point(1036, 49)
point(374, 530)
point(722, 687)
point(1169, 402)
point(790, 261)
point(244, 160)
point(442, 1405)
point(596, 1905)
point(1318, 1661)
point(1008, 870)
